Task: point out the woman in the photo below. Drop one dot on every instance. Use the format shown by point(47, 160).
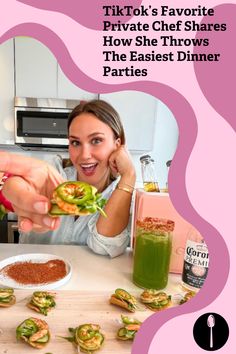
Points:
point(98, 156)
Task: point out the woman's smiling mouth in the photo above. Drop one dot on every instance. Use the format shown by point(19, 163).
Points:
point(88, 168)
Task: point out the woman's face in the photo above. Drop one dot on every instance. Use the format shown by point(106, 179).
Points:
point(91, 143)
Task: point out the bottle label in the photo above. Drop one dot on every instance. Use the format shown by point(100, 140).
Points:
point(196, 261)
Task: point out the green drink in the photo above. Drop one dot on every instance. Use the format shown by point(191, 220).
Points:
point(153, 244)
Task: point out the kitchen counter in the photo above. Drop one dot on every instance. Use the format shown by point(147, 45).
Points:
point(84, 299)
point(89, 270)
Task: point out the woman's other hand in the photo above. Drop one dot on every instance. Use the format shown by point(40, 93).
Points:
point(118, 205)
point(30, 190)
point(121, 163)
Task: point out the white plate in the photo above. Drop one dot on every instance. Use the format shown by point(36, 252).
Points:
point(38, 258)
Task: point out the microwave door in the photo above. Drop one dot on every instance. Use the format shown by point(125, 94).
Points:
point(41, 128)
point(42, 124)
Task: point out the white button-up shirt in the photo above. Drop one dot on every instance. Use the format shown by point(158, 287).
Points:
point(81, 231)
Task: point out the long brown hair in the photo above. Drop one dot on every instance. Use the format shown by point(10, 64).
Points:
point(104, 112)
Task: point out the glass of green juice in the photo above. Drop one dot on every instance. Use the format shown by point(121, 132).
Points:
point(152, 251)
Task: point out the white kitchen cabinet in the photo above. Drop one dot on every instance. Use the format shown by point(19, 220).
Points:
point(138, 112)
point(36, 69)
point(66, 89)
point(7, 92)
point(38, 73)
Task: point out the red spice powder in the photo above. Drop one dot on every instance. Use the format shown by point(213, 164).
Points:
point(35, 273)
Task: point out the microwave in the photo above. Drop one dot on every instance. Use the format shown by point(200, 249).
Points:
point(41, 123)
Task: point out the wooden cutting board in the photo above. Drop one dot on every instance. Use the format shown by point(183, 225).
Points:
point(73, 309)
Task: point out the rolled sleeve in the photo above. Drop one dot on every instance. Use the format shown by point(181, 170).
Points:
point(112, 246)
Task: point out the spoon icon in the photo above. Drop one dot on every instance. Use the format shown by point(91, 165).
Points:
point(211, 324)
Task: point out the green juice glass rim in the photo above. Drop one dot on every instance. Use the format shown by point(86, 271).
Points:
point(156, 224)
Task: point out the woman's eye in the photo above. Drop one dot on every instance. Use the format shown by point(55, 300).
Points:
point(96, 141)
point(74, 143)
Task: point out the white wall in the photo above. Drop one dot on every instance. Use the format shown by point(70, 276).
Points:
point(165, 143)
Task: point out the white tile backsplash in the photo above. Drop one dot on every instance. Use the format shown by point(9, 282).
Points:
point(165, 143)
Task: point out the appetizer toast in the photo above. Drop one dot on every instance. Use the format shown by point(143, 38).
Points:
point(76, 198)
point(7, 297)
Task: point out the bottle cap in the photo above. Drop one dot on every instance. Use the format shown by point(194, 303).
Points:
point(145, 158)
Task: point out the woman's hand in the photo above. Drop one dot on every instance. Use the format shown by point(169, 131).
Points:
point(30, 191)
point(118, 205)
point(121, 164)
